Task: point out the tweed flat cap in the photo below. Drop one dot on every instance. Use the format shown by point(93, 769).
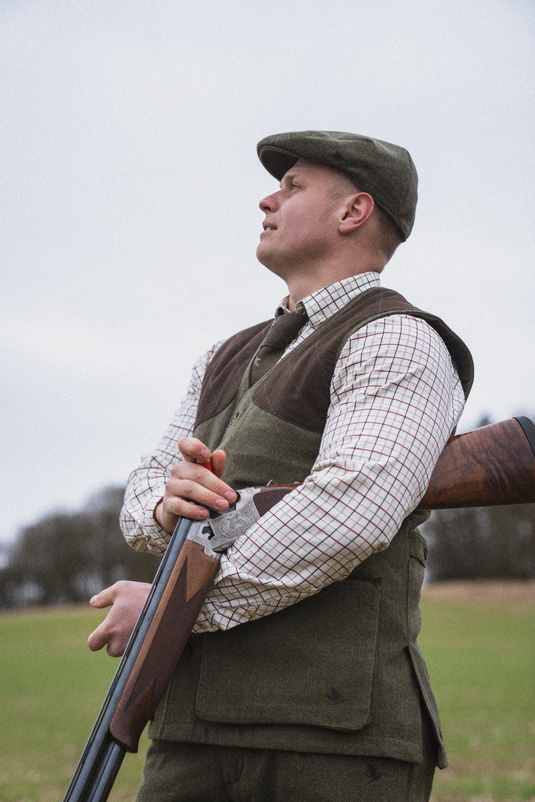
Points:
point(385, 171)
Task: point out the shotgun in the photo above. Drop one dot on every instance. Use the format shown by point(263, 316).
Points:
point(493, 465)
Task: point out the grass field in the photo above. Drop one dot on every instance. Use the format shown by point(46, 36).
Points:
point(481, 656)
point(51, 689)
point(480, 650)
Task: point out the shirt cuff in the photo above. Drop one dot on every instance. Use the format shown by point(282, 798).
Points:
point(152, 530)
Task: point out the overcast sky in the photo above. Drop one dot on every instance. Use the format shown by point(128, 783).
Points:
point(129, 201)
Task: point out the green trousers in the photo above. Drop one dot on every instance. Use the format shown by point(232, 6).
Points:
point(178, 772)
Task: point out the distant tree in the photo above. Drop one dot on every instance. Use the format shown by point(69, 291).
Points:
point(66, 558)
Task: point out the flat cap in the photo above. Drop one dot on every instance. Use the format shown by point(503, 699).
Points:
point(385, 171)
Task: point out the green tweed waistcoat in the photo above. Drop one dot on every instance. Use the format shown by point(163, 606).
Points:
point(340, 672)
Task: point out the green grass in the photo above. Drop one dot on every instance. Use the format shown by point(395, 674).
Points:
point(481, 658)
point(51, 690)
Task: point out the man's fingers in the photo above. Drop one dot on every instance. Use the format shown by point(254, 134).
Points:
point(219, 459)
point(126, 600)
point(183, 491)
point(97, 640)
point(189, 481)
point(191, 490)
point(115, 644)
point(103, 599)
point(193, 450)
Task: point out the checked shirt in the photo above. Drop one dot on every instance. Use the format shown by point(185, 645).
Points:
point(395, 400)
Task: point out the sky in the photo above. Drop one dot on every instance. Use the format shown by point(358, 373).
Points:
point(129, 198)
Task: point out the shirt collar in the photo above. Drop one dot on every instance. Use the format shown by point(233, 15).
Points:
point(325, 302)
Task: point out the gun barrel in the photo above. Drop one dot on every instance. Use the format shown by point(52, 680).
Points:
point(102, 757)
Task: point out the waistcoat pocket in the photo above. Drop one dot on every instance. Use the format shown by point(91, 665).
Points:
point(310, 664)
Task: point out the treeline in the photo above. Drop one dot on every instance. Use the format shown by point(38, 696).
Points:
point(66, 558)
point(481, 543)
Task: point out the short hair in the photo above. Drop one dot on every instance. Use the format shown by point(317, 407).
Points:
point(389, 236)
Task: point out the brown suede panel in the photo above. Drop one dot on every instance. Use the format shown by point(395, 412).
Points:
point(226, 369)
point(303, 397)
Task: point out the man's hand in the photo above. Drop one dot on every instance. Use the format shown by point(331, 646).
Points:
point(189, 481)
point(126, 600)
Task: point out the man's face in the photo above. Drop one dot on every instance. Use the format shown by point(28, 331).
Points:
point(302, 217)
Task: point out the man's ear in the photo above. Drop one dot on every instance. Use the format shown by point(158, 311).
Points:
point(357, 210)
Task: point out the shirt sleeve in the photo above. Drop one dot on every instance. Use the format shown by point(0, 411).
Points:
point(395, 400)
point(146, 485)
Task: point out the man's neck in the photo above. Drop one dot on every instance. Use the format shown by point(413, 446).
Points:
point(300, 287)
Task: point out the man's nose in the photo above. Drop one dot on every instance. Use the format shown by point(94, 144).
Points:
point(268, 204)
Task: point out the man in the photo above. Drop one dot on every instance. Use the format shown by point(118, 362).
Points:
point(303, 679)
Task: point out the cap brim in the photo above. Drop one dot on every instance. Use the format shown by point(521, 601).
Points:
point(277, 161)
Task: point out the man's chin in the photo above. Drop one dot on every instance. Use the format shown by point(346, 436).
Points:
point(270, 261)
point(263, 256)
point(272, 264)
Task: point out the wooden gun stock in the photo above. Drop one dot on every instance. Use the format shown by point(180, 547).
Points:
point(486, 467)
point(490, 466)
